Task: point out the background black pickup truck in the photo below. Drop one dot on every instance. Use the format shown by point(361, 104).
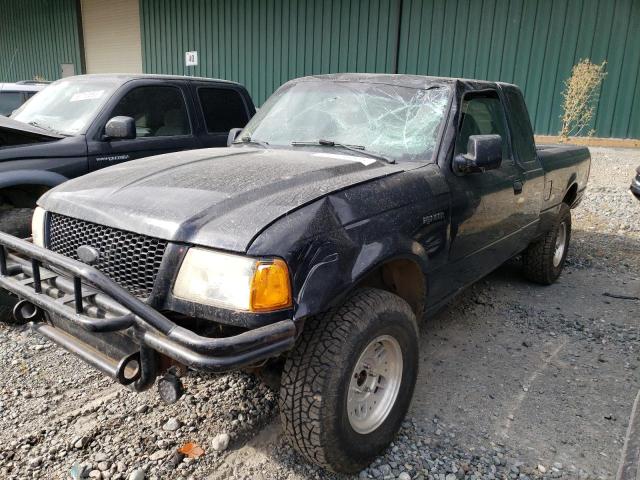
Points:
point(350, 206)
point(68, 130)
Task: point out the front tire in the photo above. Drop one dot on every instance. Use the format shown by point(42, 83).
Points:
point(544, 259)
point(348, 383)
point(16, 221)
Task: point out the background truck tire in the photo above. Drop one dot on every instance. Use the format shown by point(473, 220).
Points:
point(16, 221)
point(542, 260)
point(317, 386)
point(7, 303)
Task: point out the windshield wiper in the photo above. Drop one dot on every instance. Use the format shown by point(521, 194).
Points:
point(354, 148)
point(249, 141)
point(46, 127)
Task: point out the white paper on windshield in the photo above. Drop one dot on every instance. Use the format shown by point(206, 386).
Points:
point(81, 96)
point(350, 158)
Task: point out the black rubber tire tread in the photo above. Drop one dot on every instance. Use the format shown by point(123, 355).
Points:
point(537, 259)
point(7, 302)
point(322, 350)
point(16, 221)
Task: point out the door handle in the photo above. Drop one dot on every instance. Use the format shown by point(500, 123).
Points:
point(517, 187)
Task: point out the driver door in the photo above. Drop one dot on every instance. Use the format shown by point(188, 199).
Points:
point(485, 210)
point(162, 121)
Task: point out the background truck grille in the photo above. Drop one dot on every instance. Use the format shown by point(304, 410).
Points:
point(130, 259)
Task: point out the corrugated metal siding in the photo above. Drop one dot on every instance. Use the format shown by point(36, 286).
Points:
point(36, 37)
point(533, 43)
point(262, 44)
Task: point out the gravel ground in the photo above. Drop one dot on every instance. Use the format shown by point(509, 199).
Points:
point(516, 381)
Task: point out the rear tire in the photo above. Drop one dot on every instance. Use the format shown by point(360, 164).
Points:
point(348, 383)
point(544, 259)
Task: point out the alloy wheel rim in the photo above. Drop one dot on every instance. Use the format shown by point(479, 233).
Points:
point(561, 242)
point(374, 384)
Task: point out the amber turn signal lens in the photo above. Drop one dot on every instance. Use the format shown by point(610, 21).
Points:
point(270, 287)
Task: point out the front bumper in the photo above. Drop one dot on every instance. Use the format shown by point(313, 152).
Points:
point(97, 320)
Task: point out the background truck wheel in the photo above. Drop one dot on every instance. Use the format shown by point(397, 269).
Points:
point(15, 221)
point(544, 259)
point(348, 383)
point(7, 302)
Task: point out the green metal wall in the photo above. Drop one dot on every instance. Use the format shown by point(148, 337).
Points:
point(534, 43)
point(264, 43)
point(36, 37)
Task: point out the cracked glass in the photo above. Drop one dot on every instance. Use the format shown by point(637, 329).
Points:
point(398, 122)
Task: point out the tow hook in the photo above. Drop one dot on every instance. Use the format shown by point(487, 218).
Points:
point(170, 387)
point(25, 312)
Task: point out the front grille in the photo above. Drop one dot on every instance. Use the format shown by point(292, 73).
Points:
point(130, 259)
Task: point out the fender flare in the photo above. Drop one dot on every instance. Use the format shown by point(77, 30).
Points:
point(31, 177)
point(314, 297)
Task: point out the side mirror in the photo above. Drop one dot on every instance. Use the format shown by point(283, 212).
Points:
point(484, 152)
point(123, 128)
point(233, 134)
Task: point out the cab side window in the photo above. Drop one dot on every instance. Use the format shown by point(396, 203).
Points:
point(223, 109)
point(157, 111)
point(9, 101)
point(482, 114)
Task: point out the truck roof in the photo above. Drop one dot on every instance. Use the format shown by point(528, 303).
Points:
point(124, 77)
point(402, 80)
point(26, 86)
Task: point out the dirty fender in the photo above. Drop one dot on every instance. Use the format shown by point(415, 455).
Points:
point(334, 244)
point(31, 177)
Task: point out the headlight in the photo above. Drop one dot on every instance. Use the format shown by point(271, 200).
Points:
point(37, 226)
point(233, 281)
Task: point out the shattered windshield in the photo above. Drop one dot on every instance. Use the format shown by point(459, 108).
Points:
point(67, 106)
point(400, 123)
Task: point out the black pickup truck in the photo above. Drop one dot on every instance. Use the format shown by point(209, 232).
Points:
point(80, 124)
point(350, 207)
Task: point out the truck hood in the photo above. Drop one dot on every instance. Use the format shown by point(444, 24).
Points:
point(220, 198)
point(13, 132)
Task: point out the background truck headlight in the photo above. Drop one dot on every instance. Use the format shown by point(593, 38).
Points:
point(37, 226)
point(233, 281)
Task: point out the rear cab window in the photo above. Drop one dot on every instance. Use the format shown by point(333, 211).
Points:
point(522, 133)
point(223, 109)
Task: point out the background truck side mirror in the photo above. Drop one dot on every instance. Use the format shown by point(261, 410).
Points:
point(120, 128)
point(233, 134)
point(484, 152)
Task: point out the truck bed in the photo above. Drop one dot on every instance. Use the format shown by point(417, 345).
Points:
point(566, 169)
